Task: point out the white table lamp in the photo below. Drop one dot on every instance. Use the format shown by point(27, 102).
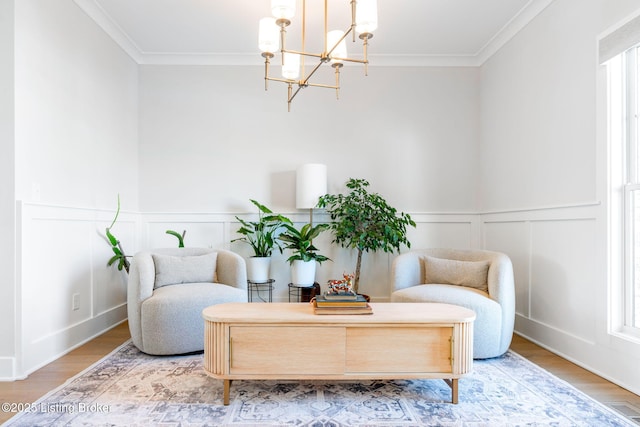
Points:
point(311, 184)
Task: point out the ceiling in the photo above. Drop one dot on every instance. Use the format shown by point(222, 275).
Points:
point(410, 32)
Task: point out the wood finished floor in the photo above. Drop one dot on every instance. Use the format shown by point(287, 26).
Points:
point(57, 372)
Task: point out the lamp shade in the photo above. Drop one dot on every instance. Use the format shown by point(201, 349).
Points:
point(268, 35)
point(291, 66)
point(311, 183)
point(341, 49)
point(366, 16)
point(283, 9)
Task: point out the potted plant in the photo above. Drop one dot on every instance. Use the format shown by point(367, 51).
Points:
point(119, 258)
point(305, 254)
point(261, 236)
point(365, 221)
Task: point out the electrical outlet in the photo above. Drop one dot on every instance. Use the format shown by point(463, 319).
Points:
point(75, 302)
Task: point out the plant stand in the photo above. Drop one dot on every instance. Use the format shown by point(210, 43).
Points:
point(260, 286)
point(303, 293)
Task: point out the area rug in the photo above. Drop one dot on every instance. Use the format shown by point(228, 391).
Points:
point(130, 388)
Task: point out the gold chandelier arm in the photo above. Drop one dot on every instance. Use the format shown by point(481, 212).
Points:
point(305, 81)
point(303, 53)
point(283, 37)
point(358, 61)
point(289, 97)
point(353, 19)
point(304, 33)
point(326, 24)
point(337, 67)
point(365, 44)
point(276, 79)
point(322, 85)
point(267, 56)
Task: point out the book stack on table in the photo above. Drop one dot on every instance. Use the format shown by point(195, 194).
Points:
point(341, 303)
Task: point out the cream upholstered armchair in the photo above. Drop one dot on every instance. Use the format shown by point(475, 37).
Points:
point(479, 280)
point(169, 288)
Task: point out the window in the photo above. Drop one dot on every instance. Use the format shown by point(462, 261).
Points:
point(624, 135)
point(634, 254)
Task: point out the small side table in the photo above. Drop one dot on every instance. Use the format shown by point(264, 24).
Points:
point(260, 286)
point(303, 293)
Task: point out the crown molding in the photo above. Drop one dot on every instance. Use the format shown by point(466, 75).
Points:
point(511, 28)
point(422, 60)
point(113, 30)
point(179, 58)
point(515, 25)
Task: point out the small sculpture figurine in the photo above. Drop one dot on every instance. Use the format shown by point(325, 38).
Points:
point(344, 286)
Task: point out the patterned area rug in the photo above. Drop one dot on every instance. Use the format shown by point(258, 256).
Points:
point(129, 388)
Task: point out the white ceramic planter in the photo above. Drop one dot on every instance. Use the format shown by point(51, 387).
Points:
point(303, 273)
point(258, 268)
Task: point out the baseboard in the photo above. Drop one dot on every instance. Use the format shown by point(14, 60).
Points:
point(46, 350)
point(564, 345)
point(7, 369)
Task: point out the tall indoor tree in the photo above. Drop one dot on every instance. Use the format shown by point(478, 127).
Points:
point(365, 221)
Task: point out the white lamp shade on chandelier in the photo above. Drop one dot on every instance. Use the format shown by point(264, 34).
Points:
point(366, 16)
point(311, 184)
point(340, 51)
point(283, 9)
point(268, 35)
point(291, 66)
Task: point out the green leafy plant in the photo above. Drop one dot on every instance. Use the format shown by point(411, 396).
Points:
point(365, 221)
point(261, 234)
point(301, 242)
point(119, 258)
point(179, 236)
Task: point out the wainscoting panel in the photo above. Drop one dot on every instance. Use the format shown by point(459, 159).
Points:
point(199, 233)
point(554, 256)
point(52, 280)
point(513, 238)
point(442, 234)
point(563, 275)
point(67, 293)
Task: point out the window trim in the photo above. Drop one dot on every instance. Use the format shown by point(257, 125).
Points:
point(631, 318)
point(624, 182)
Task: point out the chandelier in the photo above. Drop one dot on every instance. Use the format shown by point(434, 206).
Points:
point(272, 38)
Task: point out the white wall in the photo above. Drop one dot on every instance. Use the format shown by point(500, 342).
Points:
point(543, 190)
point(76, 110)
point(7, 188)
point(75, 148)
point(211, 138)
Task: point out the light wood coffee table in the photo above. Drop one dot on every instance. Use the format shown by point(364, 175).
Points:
point(397, 341)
